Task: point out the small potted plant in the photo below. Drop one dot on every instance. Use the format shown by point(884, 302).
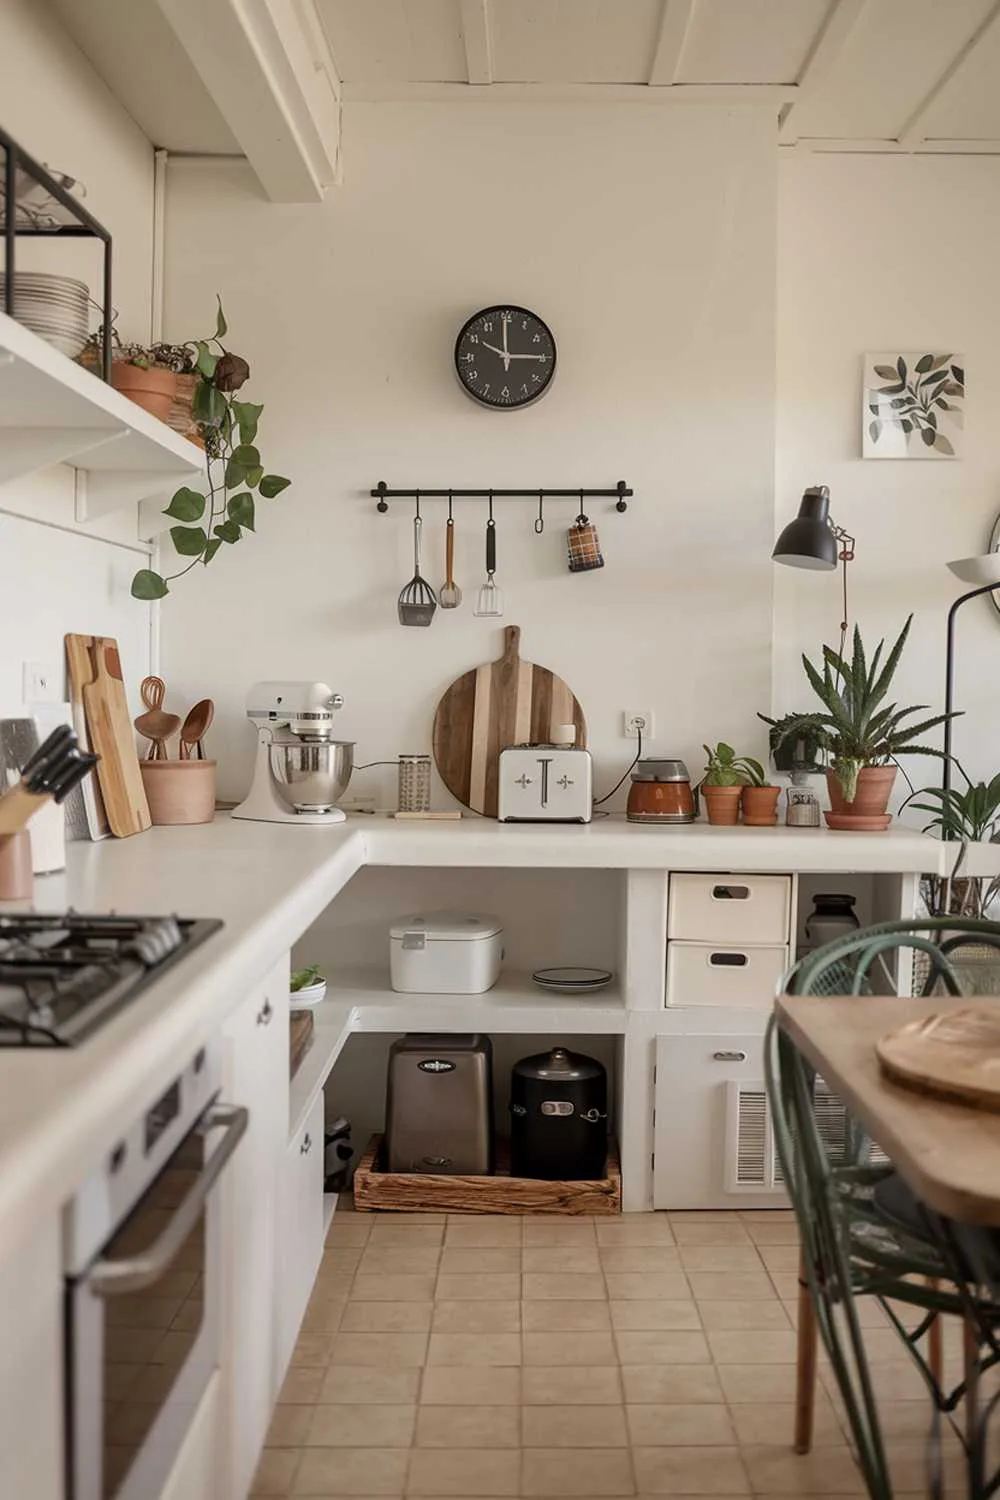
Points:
point(863, 734)
point(758, 799)
point(796, 752)
point(726, 774)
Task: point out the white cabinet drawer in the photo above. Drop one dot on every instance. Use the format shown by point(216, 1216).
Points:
point(721, 974)
point(729, 908)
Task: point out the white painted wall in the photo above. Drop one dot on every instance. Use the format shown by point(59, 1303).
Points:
point(52, 580)
point(879, 252)
point(645, 237)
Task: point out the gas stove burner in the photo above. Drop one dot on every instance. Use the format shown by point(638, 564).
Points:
point(63, 975)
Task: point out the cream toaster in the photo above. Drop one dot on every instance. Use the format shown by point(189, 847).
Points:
point(544, 784)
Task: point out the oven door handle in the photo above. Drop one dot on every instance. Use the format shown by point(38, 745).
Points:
point(115, 1278)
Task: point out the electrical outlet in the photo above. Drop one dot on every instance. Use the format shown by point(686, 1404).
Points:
point(636, 719)
point(41, 682)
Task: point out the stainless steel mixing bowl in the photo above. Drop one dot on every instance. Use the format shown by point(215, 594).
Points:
point(310, 775)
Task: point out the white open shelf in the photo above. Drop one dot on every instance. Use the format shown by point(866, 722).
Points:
point(54, 411)
point(332, 1028)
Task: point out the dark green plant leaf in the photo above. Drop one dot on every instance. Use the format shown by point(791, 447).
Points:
point(273, 484)
point(952, 388)
point(211, 548)
point(189, 541)
point(247, 415)
point(253, 477)
point(186, 505)
point(874, 431)
point(906, 425)
point(227, 531)
point(901, 368)
point(206, 362)
point(243, 459)
point(892, 390)
point(221, 326)
point(958, 372)
point(148, 585)
point(240, 509)
point(924, 363)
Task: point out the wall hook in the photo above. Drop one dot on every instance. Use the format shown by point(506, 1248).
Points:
point(540, 522)
point(581, 519)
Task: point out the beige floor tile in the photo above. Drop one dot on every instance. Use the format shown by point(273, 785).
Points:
point(289, 1425)
point(341, 1262)
point(407, 1234)
point(737, 1259)
point(351, 1471)
point(760, 1346)
point(349, 1229)
point(671, 1385)
point(384, 1349)
point(783, 1233)
point(717, 1286)
point(771, 1424)
point(469, 1427)
point(474, 1349)
point(647, 1286)
point(467, 1385)
point(560, 1258)
point(585, 1286)
point(731, 1232)
point(480, 1261)
point(301, 1386)
point(464, 1471)
point(899, 1419)
point(358, 1426)
point(825, 1471)
point(658, 1425)
point(456, 1286)
point(332, 1284)
point(757, 1383)
point(569, 1348)
point(767, 1215)
point(558, 1233)
point(659, 1347)
point(395, 1261)
point(785, 1283)
point(652, 1315)
point(701, 1216)
point(690, 1471)
point(380, 1288)
point(323, 1317)
point(275, 1471)
point(387, 1317)
point(575, 1386)
point(591, 1471)
point(489, 1232)
point(352, 1384)
point(477, 1317)
point(634, 1231)
point(574, 1427)
point(644, 1258)
point(779, 1257)
point(744, 1315)
point(565, 1317)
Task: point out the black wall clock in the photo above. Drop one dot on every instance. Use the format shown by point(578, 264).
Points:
point(505, 357)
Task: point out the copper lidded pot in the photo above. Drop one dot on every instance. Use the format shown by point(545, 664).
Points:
point(661, 792)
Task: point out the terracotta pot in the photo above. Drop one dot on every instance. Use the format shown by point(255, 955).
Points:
point(179, 791)
point(760, 806)
point(722, 804)
point(181, 417)
point(153, 390)
point(868, 810)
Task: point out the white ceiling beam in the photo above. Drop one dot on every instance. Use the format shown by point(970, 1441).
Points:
point(770, 95)
point(477, 39)
point(675, 28)
point(268, 69)
point(828, 44)
point(911, 133)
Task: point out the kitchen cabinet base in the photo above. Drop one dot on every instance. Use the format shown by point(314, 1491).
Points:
point(418, 1192)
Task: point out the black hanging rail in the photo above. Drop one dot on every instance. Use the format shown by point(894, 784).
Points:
point(620, 493)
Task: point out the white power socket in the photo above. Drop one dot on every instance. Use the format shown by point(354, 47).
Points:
point(41, 682)
point(635, 720)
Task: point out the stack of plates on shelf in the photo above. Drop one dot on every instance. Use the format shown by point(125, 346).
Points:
point(573, 981)
point(54, 307)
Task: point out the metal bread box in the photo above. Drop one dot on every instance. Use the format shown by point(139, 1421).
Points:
point(439, 1105)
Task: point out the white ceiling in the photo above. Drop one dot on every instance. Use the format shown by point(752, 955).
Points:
point(840, 74)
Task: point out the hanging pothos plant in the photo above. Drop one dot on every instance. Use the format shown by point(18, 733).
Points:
point(234, 473)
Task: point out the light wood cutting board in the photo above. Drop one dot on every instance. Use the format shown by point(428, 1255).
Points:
point(96, 676)
point(80, 669)
point(504, 702)
point(955, 1055)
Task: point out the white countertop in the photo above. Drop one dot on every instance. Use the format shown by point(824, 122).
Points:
point(59, 1110)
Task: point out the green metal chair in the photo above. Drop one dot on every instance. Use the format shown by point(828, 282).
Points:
point(861, 1232)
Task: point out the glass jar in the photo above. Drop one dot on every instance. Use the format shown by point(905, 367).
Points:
point(415, 783)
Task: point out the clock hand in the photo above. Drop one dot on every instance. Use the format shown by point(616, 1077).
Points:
point(506, 356)
point(542, 357)
point(494, 350)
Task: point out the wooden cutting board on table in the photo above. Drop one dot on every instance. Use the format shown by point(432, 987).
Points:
point(955, 1054)
point(95, 672)
point(504, 702)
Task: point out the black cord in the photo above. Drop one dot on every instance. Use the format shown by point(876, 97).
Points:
point(600, 800)
point(369, 763)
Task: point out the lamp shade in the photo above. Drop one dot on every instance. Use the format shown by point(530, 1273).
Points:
point(978, 570)
point(809, 540)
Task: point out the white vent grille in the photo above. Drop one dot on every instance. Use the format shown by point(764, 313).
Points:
point(751, 1164)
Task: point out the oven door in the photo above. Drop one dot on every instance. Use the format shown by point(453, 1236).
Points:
point(142, 1324)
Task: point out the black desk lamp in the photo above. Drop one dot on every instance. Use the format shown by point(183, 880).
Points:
point(813, 541)
point(985, 573)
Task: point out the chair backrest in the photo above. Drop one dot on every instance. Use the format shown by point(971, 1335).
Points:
point(843, 967)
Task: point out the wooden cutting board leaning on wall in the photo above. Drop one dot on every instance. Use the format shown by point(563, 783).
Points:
point(504, 702)
point(95, 672)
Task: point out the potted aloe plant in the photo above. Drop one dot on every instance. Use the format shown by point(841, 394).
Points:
point(861, 733)
point(726, 775)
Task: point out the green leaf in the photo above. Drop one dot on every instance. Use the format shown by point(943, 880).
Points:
point(928, 435)
point(247, 455)
point(247, 415)
point(186, 505)
point(874, 431)
point(148, 585)
point(901, 368)
point(211, 548)
point(209, 405)
point(273, 484)
point(221, 326)
point(253, 477)
point(189, 541)
point(206, 362)
point(227, 531)
point(241, 510)
point(242, 461)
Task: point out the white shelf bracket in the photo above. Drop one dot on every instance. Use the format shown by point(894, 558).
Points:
point(23, 450)
point(106, 490)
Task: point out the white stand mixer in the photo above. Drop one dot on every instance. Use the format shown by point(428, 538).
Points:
point(300, 770)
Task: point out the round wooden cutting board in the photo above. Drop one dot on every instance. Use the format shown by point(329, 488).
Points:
point(504, 702)
point(955, 1055)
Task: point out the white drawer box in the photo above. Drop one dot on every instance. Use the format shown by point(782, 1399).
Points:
point(729, 908)
point(720, 974)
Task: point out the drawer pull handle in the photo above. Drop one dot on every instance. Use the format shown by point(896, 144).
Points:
point(729, 1057)
point(730, 893)
point(265, 1014)
point(728, 960)
point(306, 1146)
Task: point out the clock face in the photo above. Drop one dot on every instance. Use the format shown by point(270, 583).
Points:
point(505, 357)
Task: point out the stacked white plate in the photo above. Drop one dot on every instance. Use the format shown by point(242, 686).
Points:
point(572, 980)
point(57, 308)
